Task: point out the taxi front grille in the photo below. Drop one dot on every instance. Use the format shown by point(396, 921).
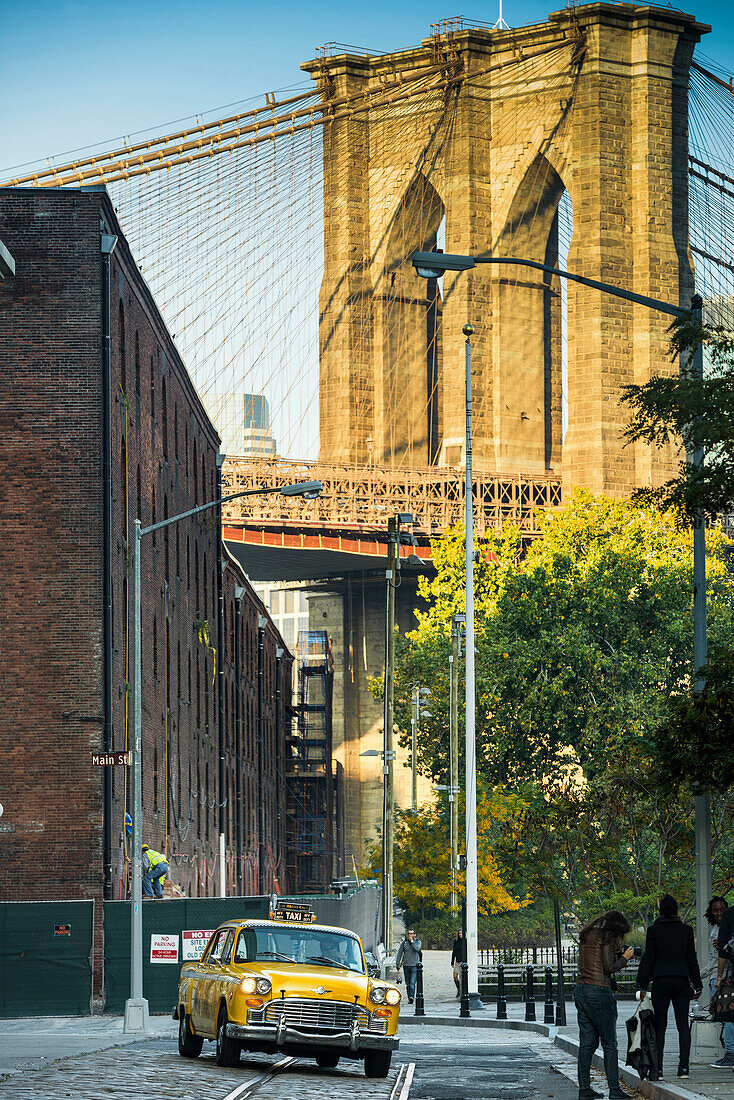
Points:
point(312, 1015)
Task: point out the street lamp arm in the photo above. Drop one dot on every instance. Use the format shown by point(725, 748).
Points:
point(434, 264)
point(308, 487)
point(606, 288)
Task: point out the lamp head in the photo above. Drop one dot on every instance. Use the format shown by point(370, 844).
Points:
point(307, 489)
point(468, 329)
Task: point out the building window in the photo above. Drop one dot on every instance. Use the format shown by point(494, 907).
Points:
point(153, 520)
point(206, 590)
point(137, 380)
point(139, 514)
point(155, 647)
point(152, 389)
point(196, 477)
point(164, 418)
point(175, 430)
point(178, 553)
point(123, 376)
point(166, 531)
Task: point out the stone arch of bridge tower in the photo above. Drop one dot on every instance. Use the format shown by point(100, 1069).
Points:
point(408, 333)
point(527, 350)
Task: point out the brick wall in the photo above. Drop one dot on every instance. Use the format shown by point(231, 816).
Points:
point(51, 679)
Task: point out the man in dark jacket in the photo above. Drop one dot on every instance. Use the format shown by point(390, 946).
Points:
point(670, 963)
point(409, 955)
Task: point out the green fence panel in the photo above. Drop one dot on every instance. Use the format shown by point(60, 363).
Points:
point(46, 958)
point(163, 920)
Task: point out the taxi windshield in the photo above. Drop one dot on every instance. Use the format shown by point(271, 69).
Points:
point(300, 946)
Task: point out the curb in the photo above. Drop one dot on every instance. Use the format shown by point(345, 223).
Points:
point(654, 1090)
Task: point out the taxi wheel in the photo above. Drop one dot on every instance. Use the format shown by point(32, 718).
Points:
point(377, 1063)
point(228, 1050)
point(327, 1061)
point(189, 1045)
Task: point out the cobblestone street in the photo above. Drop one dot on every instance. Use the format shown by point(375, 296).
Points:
point(434, 1063)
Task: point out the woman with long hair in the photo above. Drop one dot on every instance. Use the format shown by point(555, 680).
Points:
point(601, 954)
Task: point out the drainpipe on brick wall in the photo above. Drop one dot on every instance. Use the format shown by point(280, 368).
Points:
point(107, 244)
point(279, 751)
point(238, 595)
point(220, 687)
point(260, 735)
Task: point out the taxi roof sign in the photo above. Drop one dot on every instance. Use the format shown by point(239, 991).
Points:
point(291, 913)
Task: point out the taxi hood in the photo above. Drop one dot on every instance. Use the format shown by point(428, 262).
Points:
point(302, 980)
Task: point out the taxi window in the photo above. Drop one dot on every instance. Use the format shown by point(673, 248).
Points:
point(246, 946)
point(227, 949)
point(215, 950)
point(301, 946)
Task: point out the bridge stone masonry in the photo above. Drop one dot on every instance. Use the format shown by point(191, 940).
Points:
point(589, 108)
point(594, 101)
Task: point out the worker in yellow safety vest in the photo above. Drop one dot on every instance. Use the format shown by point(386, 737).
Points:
point(155, 869)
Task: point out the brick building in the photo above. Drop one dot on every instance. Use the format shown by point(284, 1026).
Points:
point(77, 310)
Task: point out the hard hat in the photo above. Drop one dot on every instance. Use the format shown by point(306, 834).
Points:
point(128, 824)
point(146, 848)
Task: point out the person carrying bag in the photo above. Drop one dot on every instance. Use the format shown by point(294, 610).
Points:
point(670, 962)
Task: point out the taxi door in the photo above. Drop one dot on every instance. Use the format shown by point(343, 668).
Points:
point(201, 981)
point(214, 980)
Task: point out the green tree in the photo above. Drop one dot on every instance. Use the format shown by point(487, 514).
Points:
point(421, 857)
point(697, 412)
point(583, 645)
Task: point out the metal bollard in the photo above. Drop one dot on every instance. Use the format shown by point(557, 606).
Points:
point(419, 1007)
point(548, 1012)
point(561, 1000)
point(501, 994)
point(464, 1000)
point(529, 993)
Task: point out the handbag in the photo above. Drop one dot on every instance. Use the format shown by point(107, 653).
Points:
point(721, 1007)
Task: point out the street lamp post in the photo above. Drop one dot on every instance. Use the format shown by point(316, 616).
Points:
point(136, 1006)
point(432, 265)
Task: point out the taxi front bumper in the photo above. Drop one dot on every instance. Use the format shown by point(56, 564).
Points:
point(281, 1035)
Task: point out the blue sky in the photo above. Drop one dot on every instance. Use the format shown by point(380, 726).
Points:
point(73, 72)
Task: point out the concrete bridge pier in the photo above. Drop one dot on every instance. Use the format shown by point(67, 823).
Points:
point(352, 611)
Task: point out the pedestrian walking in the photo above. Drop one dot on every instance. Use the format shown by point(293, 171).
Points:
point(716, 909)
point(601, 954)
point(408, 956)
point(669, 962)
point(458, 956)
point(155, 869)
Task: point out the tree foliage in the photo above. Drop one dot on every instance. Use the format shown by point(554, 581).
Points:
point(584, 662)
point(422, 857)
point(697, 413)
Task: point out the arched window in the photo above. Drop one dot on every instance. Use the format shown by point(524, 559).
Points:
point(152, 388)
point(196, 477)
point(175, 430)
point(166, 531)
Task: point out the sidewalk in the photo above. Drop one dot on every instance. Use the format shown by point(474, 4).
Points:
point(32, 1042)
point(441, 1006)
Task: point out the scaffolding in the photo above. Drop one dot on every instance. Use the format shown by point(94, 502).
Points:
point(314, 812)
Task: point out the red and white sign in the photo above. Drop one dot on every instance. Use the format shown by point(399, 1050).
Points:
point(163, 949)
point(193, 943)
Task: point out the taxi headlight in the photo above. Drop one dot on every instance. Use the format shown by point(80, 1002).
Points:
point(377, 994)
point(263, 985)
point(393, 996)
point(248, 985)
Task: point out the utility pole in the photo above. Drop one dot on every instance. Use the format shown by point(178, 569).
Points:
point(391, 574)
point(454, 754)
point(413, 733)
point(700, 657)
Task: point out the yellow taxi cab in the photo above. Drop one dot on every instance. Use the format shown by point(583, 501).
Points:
point(287, 984)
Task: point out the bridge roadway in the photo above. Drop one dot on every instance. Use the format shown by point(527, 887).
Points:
point(434, 1063)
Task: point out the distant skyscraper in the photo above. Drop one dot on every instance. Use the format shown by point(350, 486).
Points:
point(243, 421)
point(257, 436)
